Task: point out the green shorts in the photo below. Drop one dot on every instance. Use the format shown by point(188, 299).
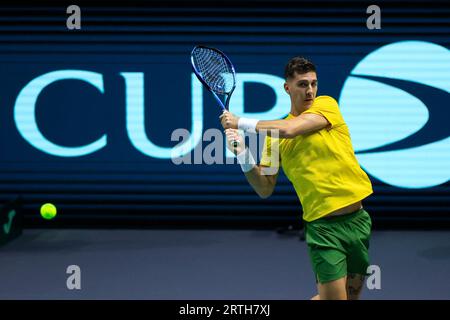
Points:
point(339, 245)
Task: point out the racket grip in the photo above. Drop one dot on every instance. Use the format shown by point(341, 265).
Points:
point(235, 143)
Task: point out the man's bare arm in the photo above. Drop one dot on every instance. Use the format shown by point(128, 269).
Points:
point(263, 184)
point(290, 128)
point(286, 128)
point(261, 178)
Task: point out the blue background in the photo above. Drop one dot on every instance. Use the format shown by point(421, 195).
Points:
point(118, 184)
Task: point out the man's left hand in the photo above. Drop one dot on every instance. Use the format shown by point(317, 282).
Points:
point(229, 120)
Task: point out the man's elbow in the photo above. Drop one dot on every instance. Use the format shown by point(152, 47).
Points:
point(290, 132)
point(265, 193)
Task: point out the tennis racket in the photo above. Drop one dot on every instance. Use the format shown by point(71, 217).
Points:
point(216, 72)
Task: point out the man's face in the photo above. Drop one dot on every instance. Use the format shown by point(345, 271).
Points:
point(302, 88)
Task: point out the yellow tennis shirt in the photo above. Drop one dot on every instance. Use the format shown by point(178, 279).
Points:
point(321, 165)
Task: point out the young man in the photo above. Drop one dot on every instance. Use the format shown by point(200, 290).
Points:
point(317, 156)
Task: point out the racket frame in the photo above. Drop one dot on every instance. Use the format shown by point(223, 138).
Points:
point(235, 143)
point(198, 75)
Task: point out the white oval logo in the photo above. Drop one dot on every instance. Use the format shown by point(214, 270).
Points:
point(396, 104)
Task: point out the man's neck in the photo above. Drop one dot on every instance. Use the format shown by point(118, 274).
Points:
point(296, 111)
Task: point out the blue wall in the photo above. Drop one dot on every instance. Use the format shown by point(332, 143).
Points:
point(392, 85)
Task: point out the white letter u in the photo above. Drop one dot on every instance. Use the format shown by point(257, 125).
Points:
point(135, 119)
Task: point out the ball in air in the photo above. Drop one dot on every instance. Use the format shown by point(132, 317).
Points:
point(48, 211)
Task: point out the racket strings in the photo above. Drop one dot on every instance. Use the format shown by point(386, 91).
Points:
point(215, 70)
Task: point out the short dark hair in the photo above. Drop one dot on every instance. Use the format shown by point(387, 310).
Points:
point(298, 65)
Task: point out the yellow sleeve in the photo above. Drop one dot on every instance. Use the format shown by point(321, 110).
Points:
point(270, 152)
point(327, 107)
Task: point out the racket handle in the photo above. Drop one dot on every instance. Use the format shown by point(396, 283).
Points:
point(235, 143)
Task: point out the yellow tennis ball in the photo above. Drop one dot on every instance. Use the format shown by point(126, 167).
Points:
point(48, 211)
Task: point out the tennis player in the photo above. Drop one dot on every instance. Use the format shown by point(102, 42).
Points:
point(316, 154)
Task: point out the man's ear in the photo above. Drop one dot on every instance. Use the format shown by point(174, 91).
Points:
point(286, 88)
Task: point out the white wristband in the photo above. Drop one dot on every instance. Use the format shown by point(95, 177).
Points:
point(245, 159)
point(247, 124)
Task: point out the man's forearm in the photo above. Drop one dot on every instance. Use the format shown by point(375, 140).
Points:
point(286, 128)
point(280, 128)
point(262, 184)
